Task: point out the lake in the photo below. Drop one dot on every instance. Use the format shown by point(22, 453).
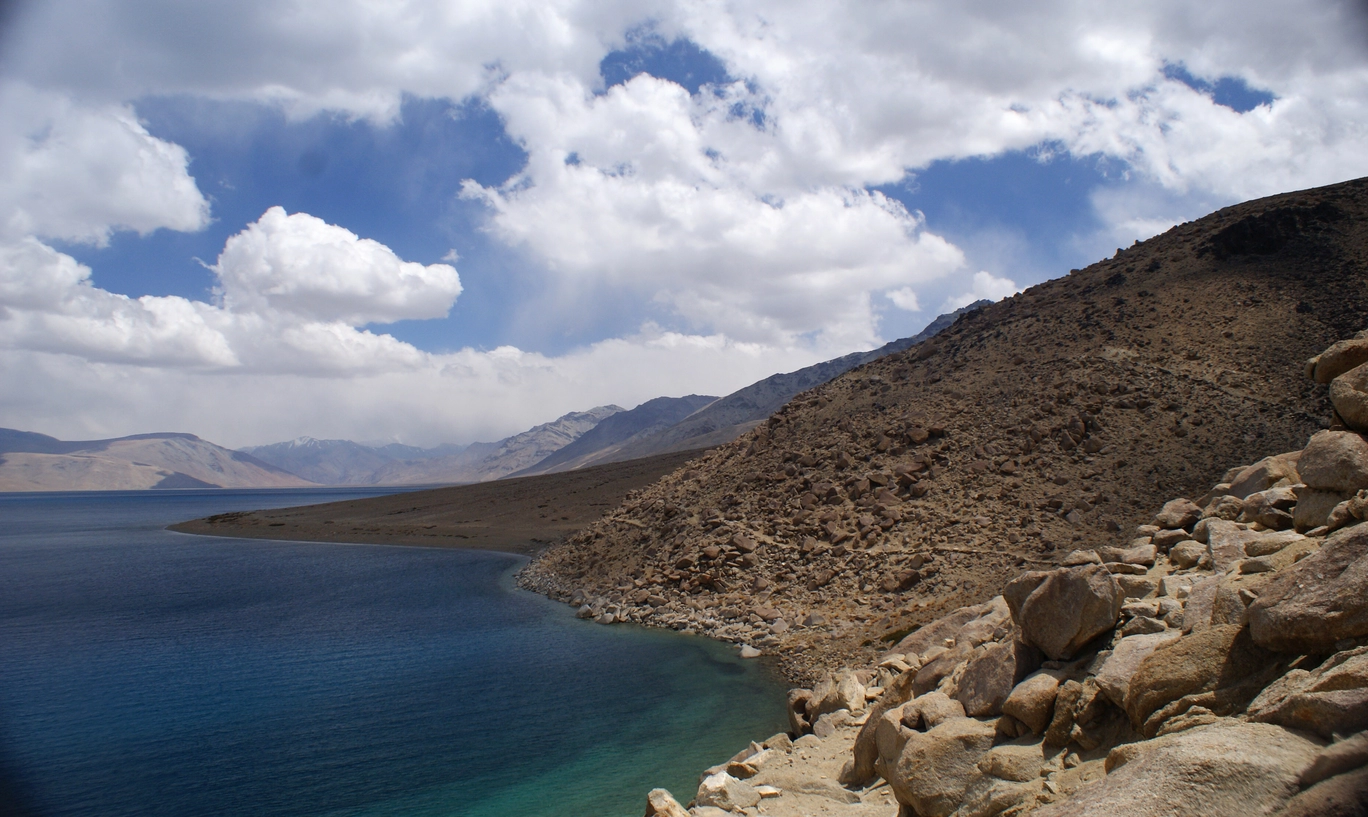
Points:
point(144, 672)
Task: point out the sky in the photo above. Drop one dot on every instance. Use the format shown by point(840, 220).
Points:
point(432, 222)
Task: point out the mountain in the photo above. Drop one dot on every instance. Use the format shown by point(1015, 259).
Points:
point(721, 420)
point(1057, 419)
point(602, 442)
point(328, 462)
point(37, 462)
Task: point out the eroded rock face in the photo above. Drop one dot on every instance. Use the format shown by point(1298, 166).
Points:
point(1215, 771)
point(1332, 698)
point(1318, 601)
point(937, 767)
point(1060, 611)
point(1335, 461)
point(1220, 669)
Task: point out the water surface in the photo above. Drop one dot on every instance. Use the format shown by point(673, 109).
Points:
point(144, 672)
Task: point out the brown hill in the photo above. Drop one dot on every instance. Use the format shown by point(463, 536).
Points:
point(1052, 420)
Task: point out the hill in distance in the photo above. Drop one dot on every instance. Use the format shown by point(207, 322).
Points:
point(37, 462)
point(1057, 419)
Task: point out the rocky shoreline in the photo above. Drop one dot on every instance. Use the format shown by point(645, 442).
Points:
point(1213, 662)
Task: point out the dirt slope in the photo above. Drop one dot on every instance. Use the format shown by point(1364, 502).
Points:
point(1051, 420)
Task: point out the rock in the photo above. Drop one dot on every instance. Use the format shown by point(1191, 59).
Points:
point(660, 803)
point(1349, 396)
point(1201, 598)
point(1032, 701)
point(1335, 461)
point(1115, 675)
point(936, 768)
point(1338, 359)
point(1017, 761)
point(1226, 543)
point(1267, 473)
point(1271, 508)
point(1271, 543)
point(1314, 506)
point(1081, 557)
point(866, 750)
point(1123, 569)
point(1187, 554)
point(1214, 771)
point(1178, 513)
point(931, 710)
point(1060, 611)
point(1318, 601)
point(747, 651)
point(1342, 796)
point(1220, 668)
point(1165, 539)
point(721, 790)
point(1225, 506)
point(937, 631)
point(1329, 699)
point(990, 676)
point(1137, 587)
point(798, 700)
point(1337, 758)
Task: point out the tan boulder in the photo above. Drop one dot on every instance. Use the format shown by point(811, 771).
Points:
point(1018, 761)
point(1314, 507)
point(1338, 359)
point(935, 633)
point(1329, 699)
point(1114, 676)
point(1337, 758)
point(1226, 542)
point(1032, 701)
point(866, 750)
point(1270, 543)
point(1345, 795)
point(928, 711)
point(1226, 769)
point(1349, 396)
point(1318, 601)
point(721, 790)
point(1060, 611)
point(1271, 508)
point(937, 767)
point(1187, 554)
point(1178, 513)
point(1220, 669)
point(1335, 461)
point(990, 676)
point(1268, 472)
point(660, 803)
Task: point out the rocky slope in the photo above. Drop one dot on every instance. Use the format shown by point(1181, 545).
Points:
point(1212, 662)
point(603, 442)
point(36, 462)
point(1047, 422)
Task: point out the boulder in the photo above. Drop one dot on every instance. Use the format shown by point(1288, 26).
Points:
point(1201, 598)
point(1226, 543)
point(1314, 507)
point(1335, 461)
point(944, 663)
point(1178, 513)
point(1114, 676)
point(866, 750)
point(1338, 359)
point(1032, 701)
point(1060, 611)
point(937, 767)
point(990, 676)
point(798, 700)
point(1018, 761)
point(1271, 543)
point(1349, 396)
point(1271, 508)
point(1220, 669)
point(1329, 699)
point(935, 633)
point(1267, 473)
point(660, 803)
point(1220, 770)
point(1318, 601)
point(1187, 554)
point(931, 710)
point(1337, 758)
point(721, 790)
point(1345, 795)
point(1225, 506)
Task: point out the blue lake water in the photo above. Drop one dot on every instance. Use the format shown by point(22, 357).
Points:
point(144, 672)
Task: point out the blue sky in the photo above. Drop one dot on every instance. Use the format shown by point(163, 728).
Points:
point(496, 213)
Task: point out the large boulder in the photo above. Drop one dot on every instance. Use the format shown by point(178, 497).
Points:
point(866, 752)
point(660, 803)
point(1033, 700)
point(1178, 513)
point(1314, 507)
point(721, 790)
point(1220, 669)
point(1349, 396)
point(1335, 461)
point(1269, 472)
point(1060, 611)
point(1345, 795)
point(1115, 674)
point(1320, 600)
point(991, 674)
point(1331, 698)
point(935, 633)
point(928, 711)
point(1338, 359)
point(1220, 770)
point(937, 767)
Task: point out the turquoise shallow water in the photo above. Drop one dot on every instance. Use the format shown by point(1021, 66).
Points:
point(144, 672)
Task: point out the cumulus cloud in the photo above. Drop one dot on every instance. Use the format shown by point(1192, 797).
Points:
point(984, 285)
point(295, 293)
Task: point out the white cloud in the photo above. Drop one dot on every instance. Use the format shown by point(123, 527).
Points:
point(304, 266)
point(983, 285)
point(905, 299)
point(78, 172)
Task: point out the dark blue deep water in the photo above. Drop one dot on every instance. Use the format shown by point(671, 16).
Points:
point(144, 672)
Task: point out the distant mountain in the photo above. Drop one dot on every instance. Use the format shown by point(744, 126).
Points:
point(37, 462)
point(598, 443)
point(726, 419)
point(343, 462)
